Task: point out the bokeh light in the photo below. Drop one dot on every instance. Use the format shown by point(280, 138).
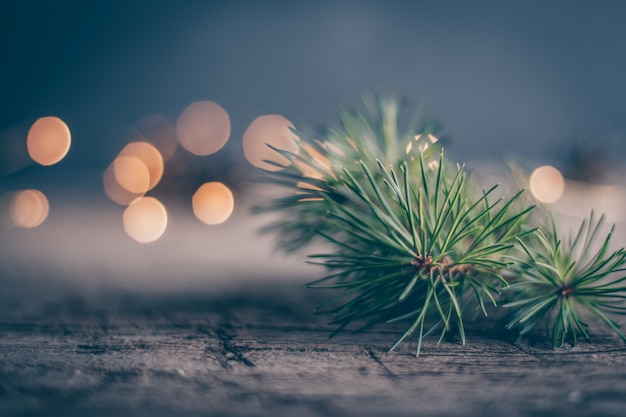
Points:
point(132, 174)
point(145, 219)
point(137, 169)
point(213, 203)
point(115, 191)
point(433, 165)
point(149, 156)
point(546, 184)
point(334, 149)
point(272, 129)
point(203, 128)
point(160, 132)
point(319, 168)
point(306, 186)
point(426, 142)
point(28, 208)
point(48, 140)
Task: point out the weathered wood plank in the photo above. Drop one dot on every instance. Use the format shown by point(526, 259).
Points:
point(253, 353)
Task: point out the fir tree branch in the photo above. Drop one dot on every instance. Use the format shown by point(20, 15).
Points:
point(558, 283)
point(411, 240)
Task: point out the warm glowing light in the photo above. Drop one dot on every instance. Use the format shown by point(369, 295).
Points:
point(28, 208)
point(145, 219)
point(158, 131)
point(352, 144)
point(48, 140)
point(272, 129)
point(137, 169)
point(132, 174)
point(319, 158)
point(321, 164)
point(429, 140)
point(115, 191)
point(203, 128)
point(433, 165)
point(546, 184)
point(150, 157)
point(334, 149)
point(213, 203)
point(306, 186)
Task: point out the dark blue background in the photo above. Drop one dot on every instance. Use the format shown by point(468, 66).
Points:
point(527, 78)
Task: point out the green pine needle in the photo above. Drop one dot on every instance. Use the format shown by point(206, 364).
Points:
point(412, 240)
point(557, 283)
point(418, 248)
point(316, 169)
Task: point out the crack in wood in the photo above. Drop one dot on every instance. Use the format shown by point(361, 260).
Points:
point(229, 351)
point(233, 351)
point(370, 352)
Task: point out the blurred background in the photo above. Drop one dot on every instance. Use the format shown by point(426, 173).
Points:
point(169, 102)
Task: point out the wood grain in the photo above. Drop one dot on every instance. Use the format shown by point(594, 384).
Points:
point(252, 352)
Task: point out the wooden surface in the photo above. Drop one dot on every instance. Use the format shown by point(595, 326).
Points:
point(256, 352)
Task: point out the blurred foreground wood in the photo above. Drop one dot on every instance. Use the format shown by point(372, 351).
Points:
point(252, 353)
